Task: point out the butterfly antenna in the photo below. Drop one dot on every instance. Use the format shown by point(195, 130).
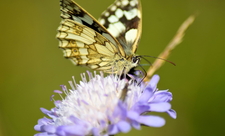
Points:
point(145, 65)
point(146, 60)
point(142, 56)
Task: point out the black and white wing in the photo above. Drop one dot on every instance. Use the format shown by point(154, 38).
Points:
point(123, 19)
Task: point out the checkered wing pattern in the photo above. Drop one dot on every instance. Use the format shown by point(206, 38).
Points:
point(123, 19)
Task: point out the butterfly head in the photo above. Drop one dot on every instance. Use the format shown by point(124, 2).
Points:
point(136, 60)
point(124, 65)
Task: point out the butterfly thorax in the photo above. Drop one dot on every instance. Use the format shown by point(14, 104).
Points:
point(123, 65)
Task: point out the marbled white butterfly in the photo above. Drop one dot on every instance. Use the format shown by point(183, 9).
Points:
point(109, 44)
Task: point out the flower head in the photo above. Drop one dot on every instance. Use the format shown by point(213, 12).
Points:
point(105, 106)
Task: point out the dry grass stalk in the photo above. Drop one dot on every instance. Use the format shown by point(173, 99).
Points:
point(177, 39)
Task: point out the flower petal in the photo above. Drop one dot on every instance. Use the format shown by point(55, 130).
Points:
point(112, 129)
point(135, 124)
point(149, 90)
point(132, 115)
point(50, 128)
point(146, 95)
point(172, 113)
point(95, 132)
point(123, 126)
point(140, 108)
point(44, 121)
point(154, 81)
point(45, 111)
point(60, 131)
point(38, 128)
point(162, 96)
point(153, 121)
point(44, 134)
point(160, 107)
point(75, 130)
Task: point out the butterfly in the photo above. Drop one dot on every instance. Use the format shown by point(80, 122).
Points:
point(108, 45)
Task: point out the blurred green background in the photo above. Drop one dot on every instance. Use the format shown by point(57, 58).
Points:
point(32, 66)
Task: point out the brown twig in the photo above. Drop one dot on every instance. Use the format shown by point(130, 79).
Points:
point(177, 39)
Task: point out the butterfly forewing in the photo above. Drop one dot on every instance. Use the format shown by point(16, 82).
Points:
point(123, 20)
point(84, 46)
point(71, 10)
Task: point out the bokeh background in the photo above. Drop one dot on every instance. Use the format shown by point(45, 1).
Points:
point(32, 66)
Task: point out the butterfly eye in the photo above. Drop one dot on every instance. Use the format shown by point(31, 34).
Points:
point(136, 59)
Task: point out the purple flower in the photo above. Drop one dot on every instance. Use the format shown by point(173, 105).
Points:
point(105, 106)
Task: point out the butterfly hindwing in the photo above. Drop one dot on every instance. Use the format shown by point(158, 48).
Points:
point(123, 20)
